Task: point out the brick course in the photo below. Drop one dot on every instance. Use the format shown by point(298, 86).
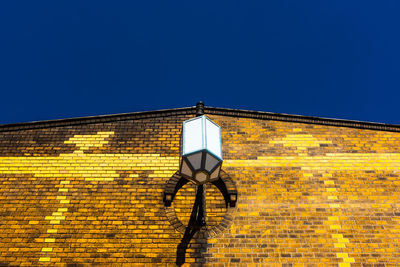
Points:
point(91, 193)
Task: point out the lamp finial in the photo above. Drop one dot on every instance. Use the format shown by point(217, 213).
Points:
point(199, 109)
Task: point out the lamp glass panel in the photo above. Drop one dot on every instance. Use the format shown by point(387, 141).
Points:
point(195, 160)
point(185, 169)
point(215, 173)
point(213, 138)
point(192, 135)
point(211, 162)
point(201, 177)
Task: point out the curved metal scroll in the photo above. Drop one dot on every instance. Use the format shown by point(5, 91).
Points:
point(197, 217)
point(224, 184)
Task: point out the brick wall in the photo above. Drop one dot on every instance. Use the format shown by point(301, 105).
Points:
point(92, 194)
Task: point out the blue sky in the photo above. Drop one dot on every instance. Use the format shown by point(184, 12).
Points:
point(337, 59)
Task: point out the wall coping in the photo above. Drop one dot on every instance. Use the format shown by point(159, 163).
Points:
point(261, 115)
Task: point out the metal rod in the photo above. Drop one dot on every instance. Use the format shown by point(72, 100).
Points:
point(200, 209)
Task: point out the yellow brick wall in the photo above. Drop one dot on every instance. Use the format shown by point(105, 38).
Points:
point(311, 195)
point(307, 195)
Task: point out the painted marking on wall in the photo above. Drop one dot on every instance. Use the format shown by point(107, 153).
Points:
point(334, 222)
point(300, 141)
point(328, 162)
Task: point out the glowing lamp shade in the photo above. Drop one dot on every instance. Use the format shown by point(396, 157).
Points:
point(201, 150)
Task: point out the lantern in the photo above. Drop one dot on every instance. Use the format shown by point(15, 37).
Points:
point(201, 150)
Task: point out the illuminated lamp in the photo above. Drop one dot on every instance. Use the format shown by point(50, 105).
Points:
point(201, 150)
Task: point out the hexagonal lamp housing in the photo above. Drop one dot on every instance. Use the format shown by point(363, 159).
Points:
point(201, 150)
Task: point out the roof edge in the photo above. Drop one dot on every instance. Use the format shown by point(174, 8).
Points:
point(302, 119)
point(96, 119)
point(263, 115)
